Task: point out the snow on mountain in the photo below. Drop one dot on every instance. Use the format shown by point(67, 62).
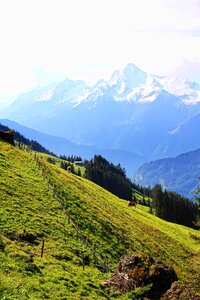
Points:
point(154, 85)
point(132, 84)
point(118, 86)
point(90, 95)
point(188, 91)
point(146, 92)
point(124, 80)
point(46, 96)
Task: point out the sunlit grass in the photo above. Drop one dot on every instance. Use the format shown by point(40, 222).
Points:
point(37, 199)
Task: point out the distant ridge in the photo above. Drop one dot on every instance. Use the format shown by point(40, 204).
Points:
point(179, 174)
point(61, 146)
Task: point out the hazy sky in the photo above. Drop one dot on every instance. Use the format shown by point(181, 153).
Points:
point(44, 40)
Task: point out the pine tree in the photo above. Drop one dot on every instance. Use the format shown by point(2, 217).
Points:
point(109, 176)
point(157, 200)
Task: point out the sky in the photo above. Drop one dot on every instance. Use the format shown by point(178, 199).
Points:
point(49, 40)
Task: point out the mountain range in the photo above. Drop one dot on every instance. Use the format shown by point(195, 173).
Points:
point(131, 114)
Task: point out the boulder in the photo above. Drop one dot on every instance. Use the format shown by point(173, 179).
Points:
point(134, 271)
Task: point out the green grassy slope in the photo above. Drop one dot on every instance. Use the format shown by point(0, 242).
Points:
point(85, 230)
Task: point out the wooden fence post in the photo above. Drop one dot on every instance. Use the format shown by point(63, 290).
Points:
point(94, 254)
point(42, 250)
point(105, 264)
point(68, 217)
point(83, 263)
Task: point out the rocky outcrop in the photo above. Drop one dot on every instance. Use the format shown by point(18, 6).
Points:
point(136, 271)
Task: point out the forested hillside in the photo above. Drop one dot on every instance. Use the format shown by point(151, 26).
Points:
point(173, 207)
point(61, 235)
point(109, 176)
point(179, 174)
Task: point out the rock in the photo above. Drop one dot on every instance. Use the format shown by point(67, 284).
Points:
point(179, 291)
point(136, 271)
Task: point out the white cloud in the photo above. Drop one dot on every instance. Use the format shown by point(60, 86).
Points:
point(91, 38)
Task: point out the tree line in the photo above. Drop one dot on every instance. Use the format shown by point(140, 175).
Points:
point(109, 176)
point(173, 207)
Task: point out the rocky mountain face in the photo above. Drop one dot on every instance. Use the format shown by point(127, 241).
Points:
point(133, 111)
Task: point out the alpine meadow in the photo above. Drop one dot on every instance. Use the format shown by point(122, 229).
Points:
point(62, 235)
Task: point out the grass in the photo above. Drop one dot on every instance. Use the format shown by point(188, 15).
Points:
point(58, 162)
point(85, 230)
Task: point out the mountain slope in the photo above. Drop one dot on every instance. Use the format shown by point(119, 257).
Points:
point(43, 102)
point(179, 174)
point(184, 137)
point(79, 222)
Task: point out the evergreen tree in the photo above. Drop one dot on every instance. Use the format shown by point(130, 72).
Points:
point(109, 176)
point(172, 207)
point(157, 200)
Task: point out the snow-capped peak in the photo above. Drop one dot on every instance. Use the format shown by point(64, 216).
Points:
point(146, 92)
point(133, 84)
point(130, 77)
